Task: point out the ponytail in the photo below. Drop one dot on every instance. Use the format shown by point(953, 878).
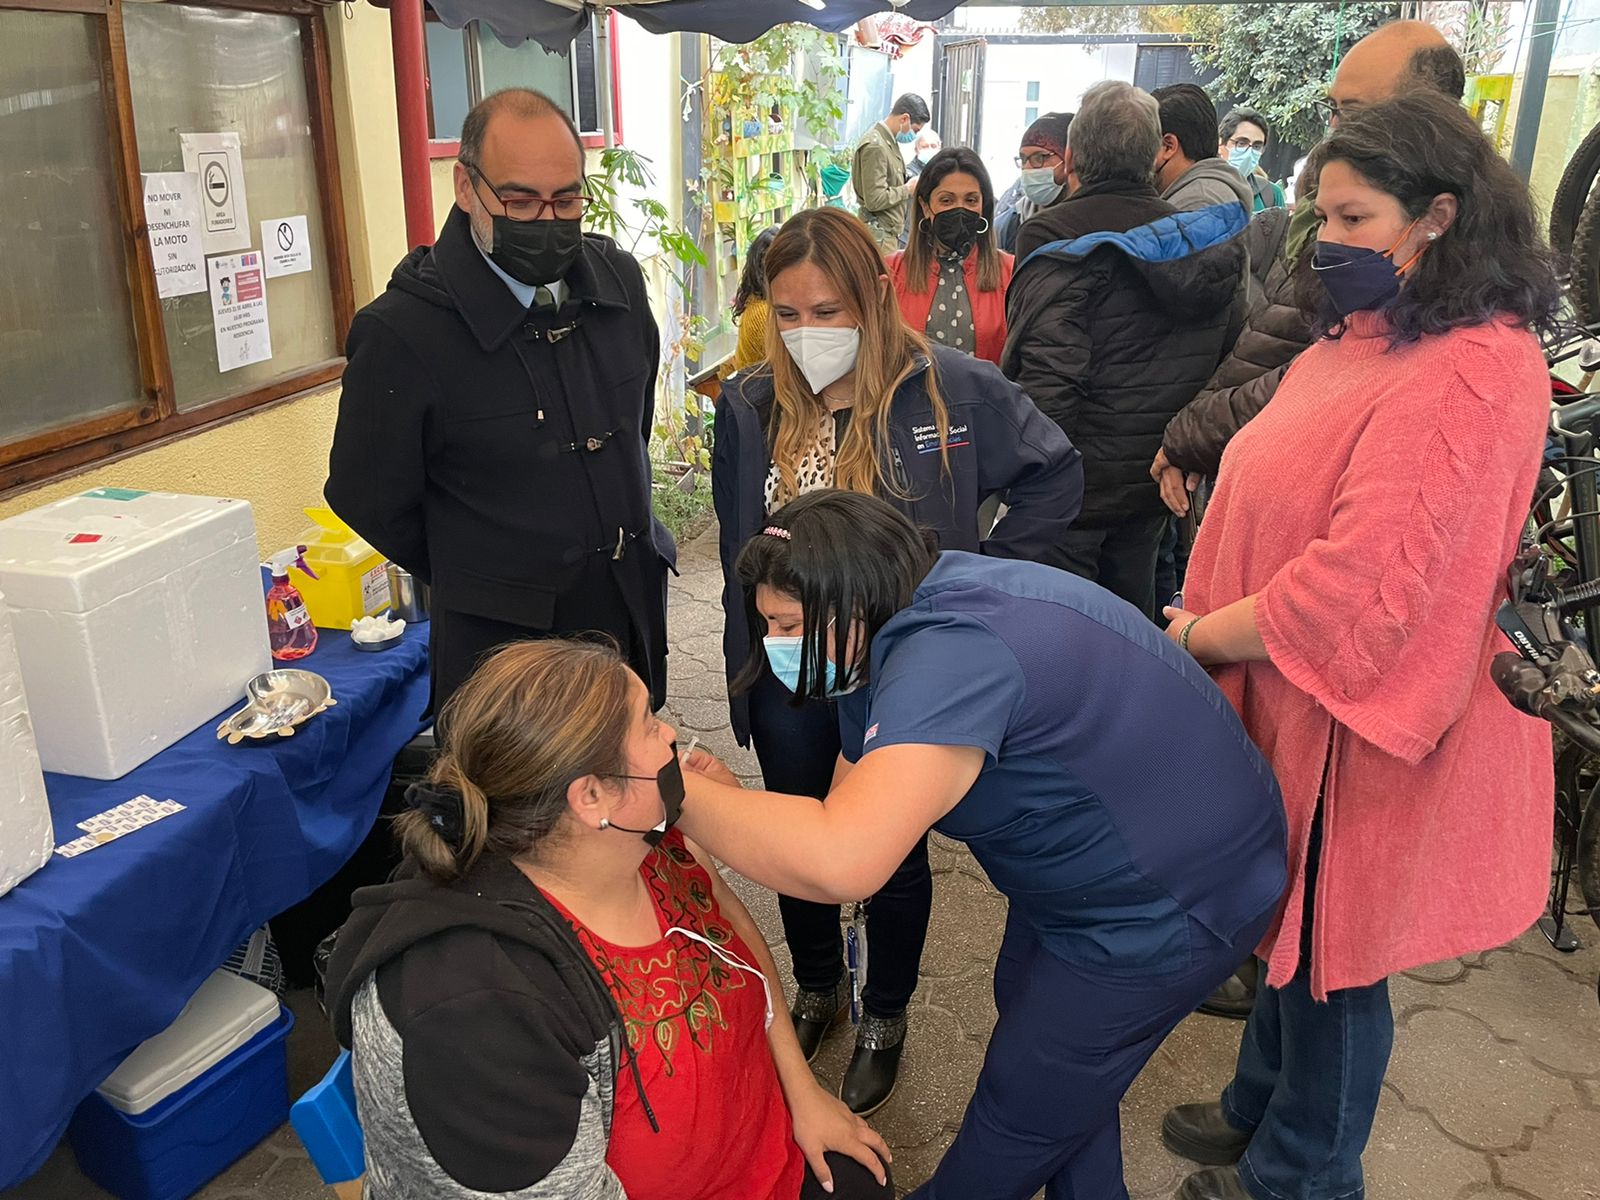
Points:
point(446, 823)
point(534, 717)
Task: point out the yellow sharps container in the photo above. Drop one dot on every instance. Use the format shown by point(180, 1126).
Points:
point(350, 580)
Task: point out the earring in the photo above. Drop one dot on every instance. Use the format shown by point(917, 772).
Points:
point(1433, 235)
point(604, 823)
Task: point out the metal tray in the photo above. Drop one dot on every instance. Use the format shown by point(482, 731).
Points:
point(280, 702)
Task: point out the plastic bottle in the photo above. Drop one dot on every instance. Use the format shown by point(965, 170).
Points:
point(289, 627)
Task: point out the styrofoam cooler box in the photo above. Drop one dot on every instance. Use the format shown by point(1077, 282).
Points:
point(26, 835)
point(192, 1099)
point(138, 616)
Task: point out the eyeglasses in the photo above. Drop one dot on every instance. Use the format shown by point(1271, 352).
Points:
point(1244, 143)
point(533, 208)
point(1332, 110)
point(1033, 162)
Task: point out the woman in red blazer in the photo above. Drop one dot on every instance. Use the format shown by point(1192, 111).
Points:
point(951, 278)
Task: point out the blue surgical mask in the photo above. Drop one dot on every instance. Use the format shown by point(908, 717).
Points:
point(1040, 187)
point(906, 138)
point(1244, 159)
point(783, 656)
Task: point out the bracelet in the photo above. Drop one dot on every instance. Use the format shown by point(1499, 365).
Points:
point(1183, 637)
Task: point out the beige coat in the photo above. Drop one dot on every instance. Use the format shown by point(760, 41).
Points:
point(878, 175)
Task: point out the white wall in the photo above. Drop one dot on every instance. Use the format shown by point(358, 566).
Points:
point(652, 105)
point(913, 71)
point(652, 125)
point(1064, 73)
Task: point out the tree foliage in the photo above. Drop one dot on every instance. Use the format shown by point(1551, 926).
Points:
point(1099, 19)
point(1280, 58)
point(1479, 29)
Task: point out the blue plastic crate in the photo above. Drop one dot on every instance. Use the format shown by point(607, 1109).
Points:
point(177, 1147)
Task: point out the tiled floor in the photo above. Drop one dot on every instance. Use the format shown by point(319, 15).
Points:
point(1494, 1089)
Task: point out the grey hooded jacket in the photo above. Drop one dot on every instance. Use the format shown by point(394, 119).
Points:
point(1210, 181)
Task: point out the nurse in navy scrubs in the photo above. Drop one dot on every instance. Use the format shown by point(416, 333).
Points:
point(1097, 774)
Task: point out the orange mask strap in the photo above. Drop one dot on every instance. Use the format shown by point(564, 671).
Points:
point(1412, 261)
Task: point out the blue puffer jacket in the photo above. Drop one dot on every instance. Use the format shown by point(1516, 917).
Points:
point(998, 443)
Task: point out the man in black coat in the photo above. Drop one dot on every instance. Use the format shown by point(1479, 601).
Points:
point(493, 432)
point(1119, 311)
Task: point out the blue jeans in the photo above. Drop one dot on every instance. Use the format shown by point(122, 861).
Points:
point(1168, 577)
point(1308, 1079)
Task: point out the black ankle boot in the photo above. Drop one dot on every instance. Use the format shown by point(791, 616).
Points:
point(1237, 995)
point(815, 1013)
point(1200, 1133)
point(869, 1080)
point(1214, 1183)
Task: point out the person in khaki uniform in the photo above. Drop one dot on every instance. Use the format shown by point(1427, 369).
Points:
point(879, 171)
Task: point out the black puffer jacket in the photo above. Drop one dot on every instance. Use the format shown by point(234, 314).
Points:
point(1119, 312)
point(1274, 334)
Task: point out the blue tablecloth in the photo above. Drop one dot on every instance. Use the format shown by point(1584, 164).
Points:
point(101, 951)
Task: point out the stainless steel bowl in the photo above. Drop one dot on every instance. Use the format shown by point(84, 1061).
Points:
point(279, 702)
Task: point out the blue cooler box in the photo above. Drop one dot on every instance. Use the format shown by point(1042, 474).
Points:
point(193, 1099)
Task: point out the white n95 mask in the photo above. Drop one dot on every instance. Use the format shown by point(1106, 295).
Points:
point(824, 355)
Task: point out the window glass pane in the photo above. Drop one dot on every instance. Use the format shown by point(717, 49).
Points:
point(1033, 91)
point(583, 58)
point(67, 347)
point(447, 79)
point(529, 65)
point(210, 70)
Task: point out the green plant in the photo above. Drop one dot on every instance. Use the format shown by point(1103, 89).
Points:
point(621, 167)
point(683, 503)
point(757, 80)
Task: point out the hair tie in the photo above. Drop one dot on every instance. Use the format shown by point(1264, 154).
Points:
point(778, 531)
point(444, 808)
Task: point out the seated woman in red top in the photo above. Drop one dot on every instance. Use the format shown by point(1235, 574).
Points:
point(558, 996)
point(951, 278)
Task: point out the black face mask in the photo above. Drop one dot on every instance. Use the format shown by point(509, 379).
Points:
point(536, 252)
point(958, 229)
point(670, 780)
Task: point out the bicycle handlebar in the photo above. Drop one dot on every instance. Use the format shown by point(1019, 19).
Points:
point(1579, 411)
point(1575, 727)
point(1526, 686)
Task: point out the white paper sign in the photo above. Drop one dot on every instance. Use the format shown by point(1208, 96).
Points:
point(172, 216)
point(215, 158)
point(286, 245)
point(239, 310)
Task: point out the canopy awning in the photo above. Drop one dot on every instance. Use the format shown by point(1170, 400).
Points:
point(555, 23)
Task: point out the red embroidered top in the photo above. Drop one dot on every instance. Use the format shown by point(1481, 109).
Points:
point(698, 1026)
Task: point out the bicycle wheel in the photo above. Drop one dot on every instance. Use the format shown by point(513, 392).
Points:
point(1584, 281)
point(1587, 859)
point(1572, 193)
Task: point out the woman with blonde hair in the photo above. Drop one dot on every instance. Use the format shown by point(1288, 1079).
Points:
point(558, 996)
point(852, 398)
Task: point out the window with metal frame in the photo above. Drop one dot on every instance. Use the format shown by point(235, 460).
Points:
point(96, 357)
point(468, 64)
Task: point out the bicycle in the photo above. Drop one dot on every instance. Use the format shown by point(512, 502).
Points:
point(1551, 673)
point(1575, 226)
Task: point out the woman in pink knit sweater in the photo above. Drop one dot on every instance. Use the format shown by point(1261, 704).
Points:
point(1342, 590)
